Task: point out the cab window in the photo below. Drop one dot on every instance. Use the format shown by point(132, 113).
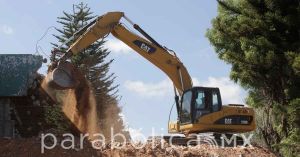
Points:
point(200, 100)
point(202, 103)
point(215, 102)
point(186, 107)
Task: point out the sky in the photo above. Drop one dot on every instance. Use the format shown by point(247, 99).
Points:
point(146, 92)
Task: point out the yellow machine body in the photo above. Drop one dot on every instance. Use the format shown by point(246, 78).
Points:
point(208, 123)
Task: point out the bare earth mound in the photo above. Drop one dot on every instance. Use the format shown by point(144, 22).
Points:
point(32, 148)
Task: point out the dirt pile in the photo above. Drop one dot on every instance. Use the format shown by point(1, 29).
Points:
point(202, 150)
point(32, 148)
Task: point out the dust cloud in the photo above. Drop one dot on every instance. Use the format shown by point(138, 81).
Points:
point(78, 105)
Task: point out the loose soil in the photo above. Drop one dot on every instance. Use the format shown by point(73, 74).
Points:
point(32, 148)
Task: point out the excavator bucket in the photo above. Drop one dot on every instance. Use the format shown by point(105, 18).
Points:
point(63, 77)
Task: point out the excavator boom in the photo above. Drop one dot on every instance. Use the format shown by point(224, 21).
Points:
point(166, 61)
point(160, 57)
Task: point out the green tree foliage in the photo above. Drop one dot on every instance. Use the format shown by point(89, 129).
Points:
point(261, 40)
point(92, 62)
point(56, 119)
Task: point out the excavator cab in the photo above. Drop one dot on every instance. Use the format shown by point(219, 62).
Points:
point(200, 110)
point(197, 102)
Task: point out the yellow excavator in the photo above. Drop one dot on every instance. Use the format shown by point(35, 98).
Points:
point(199, 109)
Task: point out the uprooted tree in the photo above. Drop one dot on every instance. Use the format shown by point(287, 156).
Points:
point(261, 40)
point(93, 63)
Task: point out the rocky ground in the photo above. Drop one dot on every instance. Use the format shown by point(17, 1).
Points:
point(32, 148)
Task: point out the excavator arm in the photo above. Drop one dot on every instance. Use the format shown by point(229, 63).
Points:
point(147, 47)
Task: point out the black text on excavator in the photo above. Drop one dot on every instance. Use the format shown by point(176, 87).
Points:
point(199, 109)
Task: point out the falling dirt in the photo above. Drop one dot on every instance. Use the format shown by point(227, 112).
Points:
point(78, 105)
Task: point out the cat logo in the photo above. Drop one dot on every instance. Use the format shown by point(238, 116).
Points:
point(228, 121)
point(144, 46)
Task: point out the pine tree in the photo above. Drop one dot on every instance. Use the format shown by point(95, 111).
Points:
point(261, 40)
point(92, 63)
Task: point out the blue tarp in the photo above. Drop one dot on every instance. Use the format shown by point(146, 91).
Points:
point(17, 72)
